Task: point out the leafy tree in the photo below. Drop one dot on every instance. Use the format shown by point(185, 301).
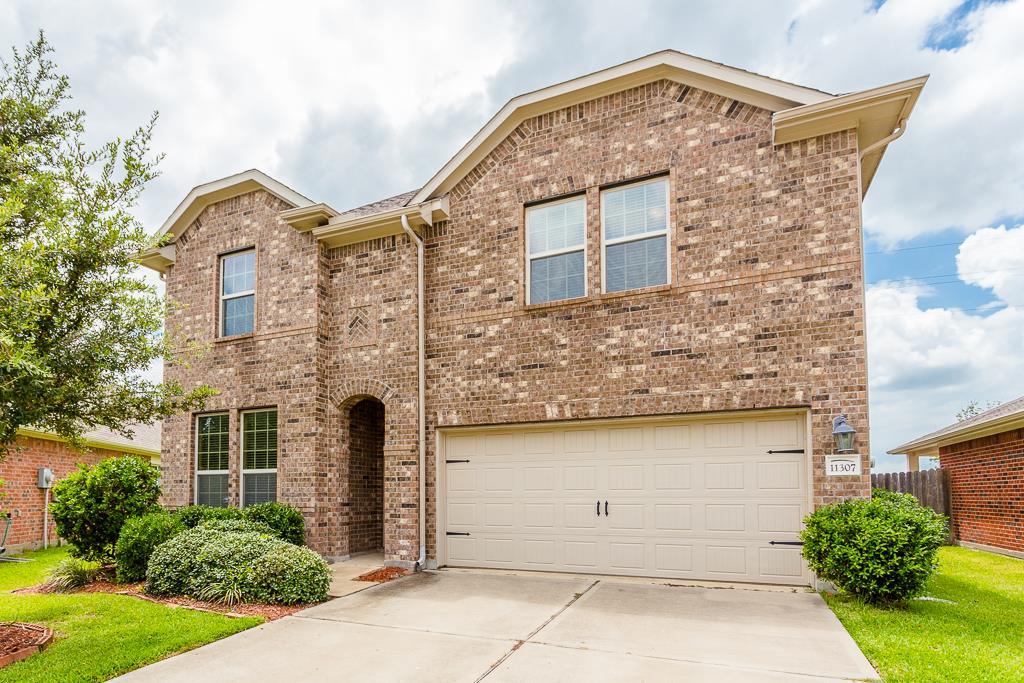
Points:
point(78, 324)
point(974, 408)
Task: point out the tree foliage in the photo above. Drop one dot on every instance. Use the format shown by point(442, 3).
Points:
point(78, 324)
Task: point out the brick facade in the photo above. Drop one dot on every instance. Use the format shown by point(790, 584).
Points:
point(986, 478)
point(24, 499)
point(764, 308)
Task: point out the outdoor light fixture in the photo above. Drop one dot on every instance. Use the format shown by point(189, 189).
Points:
point(843, 434)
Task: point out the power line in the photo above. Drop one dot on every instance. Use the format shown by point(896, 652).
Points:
point(925, 278)
point(923, 246)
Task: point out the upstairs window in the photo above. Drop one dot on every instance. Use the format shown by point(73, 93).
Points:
point(259, 457)
point(635, 235)
point(212, 460)
point(556, 252)
point(237, 293)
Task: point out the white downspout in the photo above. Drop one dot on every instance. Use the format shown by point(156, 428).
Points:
point(422, 473)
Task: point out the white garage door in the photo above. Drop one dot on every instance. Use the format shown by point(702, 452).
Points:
point(685, 498)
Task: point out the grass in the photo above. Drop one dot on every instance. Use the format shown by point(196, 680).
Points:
point(980, 637)
point(99, 636)
point(20, 574)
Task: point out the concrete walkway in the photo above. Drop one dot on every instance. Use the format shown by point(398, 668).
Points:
point(462, 625)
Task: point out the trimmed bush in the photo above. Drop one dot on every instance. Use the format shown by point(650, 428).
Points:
point(194, 515)
point(139, 538)
point(237, 566)
point(882, 550)
point(91, 505)
point(243, 525)
point(284, 519)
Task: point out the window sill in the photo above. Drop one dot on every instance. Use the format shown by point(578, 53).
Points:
point(234, 338)
point(656, 289)
point(559, 302)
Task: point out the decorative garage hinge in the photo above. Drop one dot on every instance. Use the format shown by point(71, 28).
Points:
point(785, 542)
point(789, 450)
point(456, 533)
point(451, 461)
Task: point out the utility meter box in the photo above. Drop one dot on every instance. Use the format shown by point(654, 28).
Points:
point(45, 478)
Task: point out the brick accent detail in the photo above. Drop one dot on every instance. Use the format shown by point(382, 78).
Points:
point(986, 478)
point(366, 476)
point(24, 500)
point(764, 309)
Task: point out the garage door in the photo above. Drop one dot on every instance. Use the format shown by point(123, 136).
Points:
point(684, 498)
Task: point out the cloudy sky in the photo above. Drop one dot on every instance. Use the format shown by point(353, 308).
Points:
point(353, 101)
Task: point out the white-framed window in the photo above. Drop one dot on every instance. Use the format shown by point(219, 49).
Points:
point(212, 454)
point(259, 456)
point(237, 293)
point(635, 235)
point(556, 250)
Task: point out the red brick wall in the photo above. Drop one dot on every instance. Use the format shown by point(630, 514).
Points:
point(366, 476)
point(24, 499)
point(986, 478)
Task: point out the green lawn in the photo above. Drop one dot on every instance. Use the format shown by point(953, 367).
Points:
point(100, 636)
point(978, 638)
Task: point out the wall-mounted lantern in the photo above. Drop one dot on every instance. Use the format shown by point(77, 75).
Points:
point(843, 434)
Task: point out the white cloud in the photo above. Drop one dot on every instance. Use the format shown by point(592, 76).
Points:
point(925, 365)
point(994, 258)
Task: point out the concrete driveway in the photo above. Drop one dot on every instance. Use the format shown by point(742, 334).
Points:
point(464, 625)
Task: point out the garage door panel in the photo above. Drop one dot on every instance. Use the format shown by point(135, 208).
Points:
point(694, 500)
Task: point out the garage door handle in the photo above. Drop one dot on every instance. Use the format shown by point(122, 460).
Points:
point(606, 508)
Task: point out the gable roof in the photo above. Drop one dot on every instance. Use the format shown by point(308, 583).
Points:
point(1003, 417)
point(746, 86)
point(215, 191)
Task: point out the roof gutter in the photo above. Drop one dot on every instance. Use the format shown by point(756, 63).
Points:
point(421, 391)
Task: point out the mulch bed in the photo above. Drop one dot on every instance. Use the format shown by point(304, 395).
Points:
point(382, 575)
point(19, 640)
point(137, 590)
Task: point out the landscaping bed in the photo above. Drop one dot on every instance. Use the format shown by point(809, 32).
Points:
point(19, 640)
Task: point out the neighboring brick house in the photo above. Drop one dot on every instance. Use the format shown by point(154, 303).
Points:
point(25, 501)
point(984, 460)
point(642, 305)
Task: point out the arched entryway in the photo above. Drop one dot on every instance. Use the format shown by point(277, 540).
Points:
point(366, 476)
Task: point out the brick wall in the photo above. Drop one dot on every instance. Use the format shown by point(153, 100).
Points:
point(24, 500)
point(765, 306)
point(366, 476)
point(986, 478)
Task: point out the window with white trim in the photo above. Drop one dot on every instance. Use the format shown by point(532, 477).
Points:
point(212, 460)
point(237, 293)
point(634, 233)
point(556, 250)
point(259, 456)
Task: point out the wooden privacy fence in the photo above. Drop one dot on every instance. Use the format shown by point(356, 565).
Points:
point(930, 487)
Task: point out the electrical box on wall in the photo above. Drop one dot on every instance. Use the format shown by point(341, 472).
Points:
point(45, 478)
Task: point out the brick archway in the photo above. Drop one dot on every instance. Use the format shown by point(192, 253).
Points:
point(352, 391)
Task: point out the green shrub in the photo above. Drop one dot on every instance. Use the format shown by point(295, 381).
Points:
point(284, 519)
point(239, 525)
point(139, 537)
point(69, 574)
point(882, 550)
point(91, 505)
point(291, 575)
point(237, 566)
point(194, 515)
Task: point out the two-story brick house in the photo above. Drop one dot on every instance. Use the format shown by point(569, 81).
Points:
point(610, 335)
